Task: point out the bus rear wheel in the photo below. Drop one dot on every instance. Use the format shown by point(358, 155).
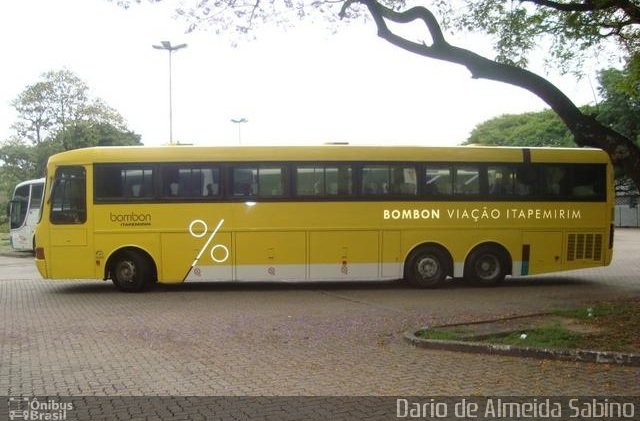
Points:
point(130, 272)
point(427, 267)
point(486, 265)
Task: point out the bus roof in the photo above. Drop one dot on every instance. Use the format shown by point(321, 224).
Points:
point(27, 182)
point(141, 154)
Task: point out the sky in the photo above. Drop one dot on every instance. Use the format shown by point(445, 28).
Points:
point(304, 85)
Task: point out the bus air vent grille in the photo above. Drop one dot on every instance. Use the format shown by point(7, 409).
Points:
point(584, 246)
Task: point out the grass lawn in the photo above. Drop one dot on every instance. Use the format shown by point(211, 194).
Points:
point(4, 240)
point(607, 326)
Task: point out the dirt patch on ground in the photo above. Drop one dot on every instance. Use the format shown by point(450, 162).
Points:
point(607, 326)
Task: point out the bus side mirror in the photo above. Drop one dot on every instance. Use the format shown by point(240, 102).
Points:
point(9, 204)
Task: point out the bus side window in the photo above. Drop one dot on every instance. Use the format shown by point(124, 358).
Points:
point(138, 182)
point(385, 180)
point(588, 182)
point(310, 181)
point(36, 196)
point(190, 181)
point(467, 180)
point(18, 206)
point(525, 180)
point(509, 181)
point(262, 181)
point(438, 180)
point(270, 181)
point(553, 181)
point(68, 197)
point(120, 183)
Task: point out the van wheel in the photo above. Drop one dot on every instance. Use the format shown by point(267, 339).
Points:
point(130, 272)
point(486, 265)
point(427, 267)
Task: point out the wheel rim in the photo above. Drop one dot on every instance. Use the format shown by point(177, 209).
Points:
point(126, 272)
point(428, 267)
point(487, 267)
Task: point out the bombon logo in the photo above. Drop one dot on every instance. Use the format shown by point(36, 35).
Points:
point(131, 219)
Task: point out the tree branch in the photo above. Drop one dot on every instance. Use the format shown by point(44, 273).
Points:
point(585, 129)
point(585, 6)
point(631, 9)
point(480, 67)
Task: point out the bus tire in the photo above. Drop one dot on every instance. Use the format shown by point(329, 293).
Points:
point(130, 272)
point(428, 266)
point(488, 264)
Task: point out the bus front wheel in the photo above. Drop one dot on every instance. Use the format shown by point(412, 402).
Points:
point(129, 272)
point(486, 265)
point(427, 267)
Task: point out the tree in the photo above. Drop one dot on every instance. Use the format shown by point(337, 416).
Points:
point(60, 100)
point(517, 27)
point(542, 128)
point(586, 130)
point(56, 114)
point(18, 160)
point(570, 29)
point(620, 108)
point(83, 134)
point(32, 112)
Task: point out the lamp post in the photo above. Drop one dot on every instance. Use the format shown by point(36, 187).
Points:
point(239, 122)
point(166, 45)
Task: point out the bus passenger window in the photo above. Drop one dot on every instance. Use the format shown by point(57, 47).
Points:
point(212, 190)
point(389, 180)
point(258, 181)
point(121, 183)
point(190, 181)
point(137, 182)
point(588, 182)
point(525, 180)
point(500, 181)
point(310, 181)
point(270, 182)
point(553, 180)
point(467, 180)
point(319, 181)
point(438, 180)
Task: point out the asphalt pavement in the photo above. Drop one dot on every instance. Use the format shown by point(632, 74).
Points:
point(83, 338)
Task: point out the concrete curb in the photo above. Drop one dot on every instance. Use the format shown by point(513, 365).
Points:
point(20, 254)
point(15, 253)
point(580, 355)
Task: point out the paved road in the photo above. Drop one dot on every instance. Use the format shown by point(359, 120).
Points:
point(85, 338)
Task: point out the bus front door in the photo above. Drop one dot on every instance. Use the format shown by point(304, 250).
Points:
point(70, 251)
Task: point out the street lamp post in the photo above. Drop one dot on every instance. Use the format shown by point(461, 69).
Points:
point(239, 122)
point(166, 45)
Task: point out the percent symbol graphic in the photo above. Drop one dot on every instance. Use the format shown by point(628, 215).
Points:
point(194, 229)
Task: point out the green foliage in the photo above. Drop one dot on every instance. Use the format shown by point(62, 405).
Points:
point(542, 128)
point(571, 29)
point(620, 108)
point(60, 100)
point(85, 134)
point(610, 326)
point(56, 114)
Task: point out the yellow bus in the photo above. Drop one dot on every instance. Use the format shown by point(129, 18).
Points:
point(140, 215)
